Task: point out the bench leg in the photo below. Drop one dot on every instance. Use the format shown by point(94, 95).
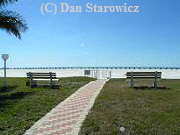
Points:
point(27, 83)
point(155, 80)
point(131, 83)
point(33, 83)
point(155, 83)
point(52, 84)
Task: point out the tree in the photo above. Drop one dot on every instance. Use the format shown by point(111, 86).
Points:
point(11, 21)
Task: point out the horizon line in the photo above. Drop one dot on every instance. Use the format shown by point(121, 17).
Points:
point(95, 67)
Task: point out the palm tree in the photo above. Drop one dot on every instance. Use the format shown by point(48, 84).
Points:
point(11, 21)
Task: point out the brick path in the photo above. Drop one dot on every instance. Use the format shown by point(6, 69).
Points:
point(67, 117)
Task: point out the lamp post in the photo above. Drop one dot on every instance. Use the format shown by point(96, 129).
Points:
point(5, 57)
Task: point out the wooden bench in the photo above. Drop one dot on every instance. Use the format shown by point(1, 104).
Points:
point(143, 75)
point(35, 77)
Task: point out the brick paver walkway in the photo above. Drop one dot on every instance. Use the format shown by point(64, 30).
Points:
point(67, 117)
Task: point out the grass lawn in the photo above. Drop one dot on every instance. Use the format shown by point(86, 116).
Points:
point(141, 111)
point(21, 106)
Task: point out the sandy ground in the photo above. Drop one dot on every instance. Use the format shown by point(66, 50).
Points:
point(101, 73)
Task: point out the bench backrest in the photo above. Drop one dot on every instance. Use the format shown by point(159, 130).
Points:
point(143, 74)
point(48, 75)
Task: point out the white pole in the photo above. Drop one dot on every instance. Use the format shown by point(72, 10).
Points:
point(5, 82)
point(5, 57)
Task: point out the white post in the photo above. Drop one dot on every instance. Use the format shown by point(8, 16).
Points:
point(5, 82)
point(5, 57)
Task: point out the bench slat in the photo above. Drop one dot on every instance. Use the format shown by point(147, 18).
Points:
point(144, 76)
point(136, 77)
point(45, 77)
point(41, 74)
point(143, 73)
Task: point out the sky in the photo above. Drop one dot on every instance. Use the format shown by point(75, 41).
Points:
point(149, 37)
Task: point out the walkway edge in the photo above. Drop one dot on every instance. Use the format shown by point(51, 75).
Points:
point(81, 119)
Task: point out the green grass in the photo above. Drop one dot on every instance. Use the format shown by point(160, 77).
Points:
point(21, 106)
point(141, 111)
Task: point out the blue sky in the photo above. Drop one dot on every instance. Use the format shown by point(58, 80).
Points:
point(147, 38)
